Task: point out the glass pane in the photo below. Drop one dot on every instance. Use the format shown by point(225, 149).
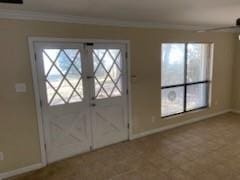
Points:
point(52, 53)
point(73, 76)
point(172, 64)
point(197, 96)
point(114, 52)
point(65, 90)
point(60, 88)
point(75, 98)
point(54, 77)
point(79, 89)
point(172, 101)
point(119, 85)
point(108, 86)
point(102, 94)
point(101, 74)
point(115, 73)
point(50, 92)
point(71, 53)
point(63, 62)
point(108, 71)
point(99, 54)
point(116, 92)
point(119, 62)
point(198, 62)
point(107, 61)
point(57, 100)
point(47, 64)
point(77, 63)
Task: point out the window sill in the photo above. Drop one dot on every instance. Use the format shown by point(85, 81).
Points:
point(185, 113)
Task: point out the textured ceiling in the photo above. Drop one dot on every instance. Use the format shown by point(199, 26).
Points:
point(172, 12)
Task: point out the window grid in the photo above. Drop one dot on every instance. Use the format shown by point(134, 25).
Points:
point(185, 85)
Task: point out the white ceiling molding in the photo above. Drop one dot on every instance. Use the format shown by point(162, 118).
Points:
point(48, 17)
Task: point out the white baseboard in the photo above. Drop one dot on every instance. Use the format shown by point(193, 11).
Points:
point(21, 171)
point(146, 133)
point(235, 111)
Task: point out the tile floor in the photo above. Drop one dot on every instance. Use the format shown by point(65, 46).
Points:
point(207, 150)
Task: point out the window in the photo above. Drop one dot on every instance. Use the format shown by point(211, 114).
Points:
point(185, 77)
point(63, 73)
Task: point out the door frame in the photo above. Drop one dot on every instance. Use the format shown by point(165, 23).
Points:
point(31, 41)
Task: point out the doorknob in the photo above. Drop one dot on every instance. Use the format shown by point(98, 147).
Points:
point(90, 77)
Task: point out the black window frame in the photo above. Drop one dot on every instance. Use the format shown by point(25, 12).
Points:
point(186, 84)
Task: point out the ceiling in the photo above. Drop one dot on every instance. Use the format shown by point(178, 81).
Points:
point(171, 12)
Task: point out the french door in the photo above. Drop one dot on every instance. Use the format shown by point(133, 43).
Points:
point(83, 90)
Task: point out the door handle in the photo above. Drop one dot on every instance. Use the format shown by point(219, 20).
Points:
point(93, 105)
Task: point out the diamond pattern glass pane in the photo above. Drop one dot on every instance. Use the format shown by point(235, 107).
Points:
point(54, 77)
point(107, 61)
point(99, 53)
point(114, 52)
point(77, 63)
point(115, 73)
point(63, 62)
point(118, 61)
point(102, 94)
point(79, 89)
point(75, 98)
point(119, 85)
point(47, 63)
point(116, 92)
point(108, 86)
point(57, 100)
point(101, 73)
point(97, 86)
point(71, 53)
point(63, 76)
point(50, 92)
point(52, 53)
point(65, 90)
point(107, 73)
point(73, 76)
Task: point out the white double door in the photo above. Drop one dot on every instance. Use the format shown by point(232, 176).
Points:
point(83, 90)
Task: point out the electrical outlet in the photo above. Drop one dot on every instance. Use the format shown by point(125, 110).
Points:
point(1, 156)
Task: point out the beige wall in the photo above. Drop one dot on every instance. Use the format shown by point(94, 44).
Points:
point(18, 124)
point(236, 77)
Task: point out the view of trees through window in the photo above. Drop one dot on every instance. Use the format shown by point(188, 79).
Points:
point(185, 77)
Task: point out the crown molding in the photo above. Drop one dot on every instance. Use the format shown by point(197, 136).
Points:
point(50, 17)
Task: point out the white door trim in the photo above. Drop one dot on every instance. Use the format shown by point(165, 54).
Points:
point(37, 102)
point(31, 41)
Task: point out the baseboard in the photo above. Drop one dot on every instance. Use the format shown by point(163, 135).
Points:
point(235, 111)
point(21, 171)
point(146, 133)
